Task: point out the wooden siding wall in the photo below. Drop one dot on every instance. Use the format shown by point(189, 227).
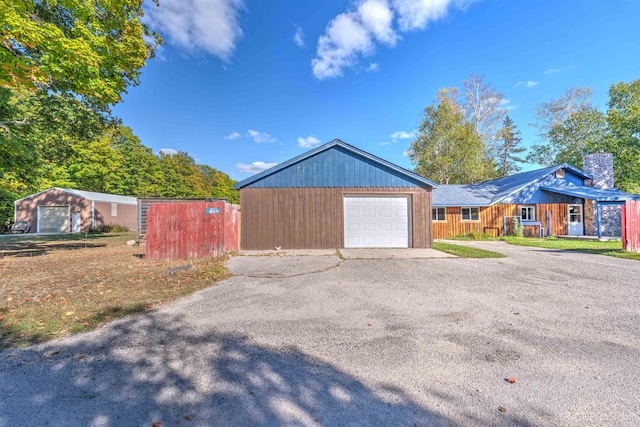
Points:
point(143, 207)
point(492, 220)
point(313, 218)
point(187, 230)
point(631, 226)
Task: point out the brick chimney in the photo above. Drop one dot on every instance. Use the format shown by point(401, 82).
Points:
point(600, 167)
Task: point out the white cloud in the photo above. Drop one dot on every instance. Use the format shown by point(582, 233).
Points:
point(169, 151)
point(355, 33)
point(345, 38)
point(198, 25)
point(298, 37)
point(505, 104)
point(260, 137)
point(233, 135)
point(551, 71)
point(382, 144)
point(377, 17)
point(527, 83)
point(417, 14)
point(374, 66)
point(254, 167)
point(401, 134)
point(308, 142)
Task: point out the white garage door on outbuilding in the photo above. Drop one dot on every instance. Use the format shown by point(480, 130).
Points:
point(376, 221)
point(53, 219)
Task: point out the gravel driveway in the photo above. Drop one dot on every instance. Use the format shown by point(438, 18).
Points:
point(314, 340)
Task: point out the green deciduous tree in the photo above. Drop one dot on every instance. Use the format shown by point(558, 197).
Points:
point(447, 148)
point(508, 149)
point(569, 126)
point(623, 118)
point(141, 172)
point(93, 49)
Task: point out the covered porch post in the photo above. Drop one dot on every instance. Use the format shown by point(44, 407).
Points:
point(598, 219)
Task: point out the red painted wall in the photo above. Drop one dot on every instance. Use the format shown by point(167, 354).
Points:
point(192, 230)
point(631, 226)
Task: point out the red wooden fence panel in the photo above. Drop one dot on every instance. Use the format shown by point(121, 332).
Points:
point(631, 226)
point(191, 230)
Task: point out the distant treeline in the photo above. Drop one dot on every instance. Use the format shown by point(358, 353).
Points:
point(54, 140)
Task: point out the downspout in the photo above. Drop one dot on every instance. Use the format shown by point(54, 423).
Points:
point(93, 215)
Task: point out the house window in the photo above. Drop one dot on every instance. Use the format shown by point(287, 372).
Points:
point(114, 209)
point(528, 213)
point(471, 214)
point(439, 214)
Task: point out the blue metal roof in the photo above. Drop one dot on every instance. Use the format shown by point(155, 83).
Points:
point(591, 193)
point(335, 164)
point(494, 191)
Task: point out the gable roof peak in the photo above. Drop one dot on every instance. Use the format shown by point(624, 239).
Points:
point(333, 143)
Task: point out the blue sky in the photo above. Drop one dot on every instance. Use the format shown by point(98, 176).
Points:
point(241, 85)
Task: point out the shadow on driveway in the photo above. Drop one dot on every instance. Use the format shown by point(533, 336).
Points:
point(147, 369)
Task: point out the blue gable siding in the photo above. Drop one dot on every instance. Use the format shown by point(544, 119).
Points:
point(533, 194)
point(335, 167)
point(573, 178)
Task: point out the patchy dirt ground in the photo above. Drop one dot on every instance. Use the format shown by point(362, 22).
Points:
point(52, 285)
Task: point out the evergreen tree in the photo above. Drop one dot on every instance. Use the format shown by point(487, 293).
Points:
point(508, 149)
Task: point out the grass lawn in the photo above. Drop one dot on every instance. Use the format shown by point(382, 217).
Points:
point(610, 248)
point(53, 285)
point(465, 251)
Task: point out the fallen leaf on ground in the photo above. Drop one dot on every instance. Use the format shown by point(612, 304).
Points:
point(502, 409)
point(511, 380)
point(190, 417)
point(157, 424)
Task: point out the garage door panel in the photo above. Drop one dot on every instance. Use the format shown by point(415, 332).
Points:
point(376, 221)
point(53, 219)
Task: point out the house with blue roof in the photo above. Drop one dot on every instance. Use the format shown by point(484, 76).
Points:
point(558, 200)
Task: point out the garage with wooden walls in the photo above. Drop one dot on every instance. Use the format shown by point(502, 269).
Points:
point(335, 196)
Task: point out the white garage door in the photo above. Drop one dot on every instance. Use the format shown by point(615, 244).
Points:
point(53, 219)
point(376, 222)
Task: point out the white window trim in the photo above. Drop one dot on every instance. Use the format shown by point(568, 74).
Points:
point(470, 214)
point(533, 210)
point(114, 209)
point(439, 220)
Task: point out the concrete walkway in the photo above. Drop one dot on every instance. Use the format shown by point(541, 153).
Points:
point(355, 253)
point(393, 253)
